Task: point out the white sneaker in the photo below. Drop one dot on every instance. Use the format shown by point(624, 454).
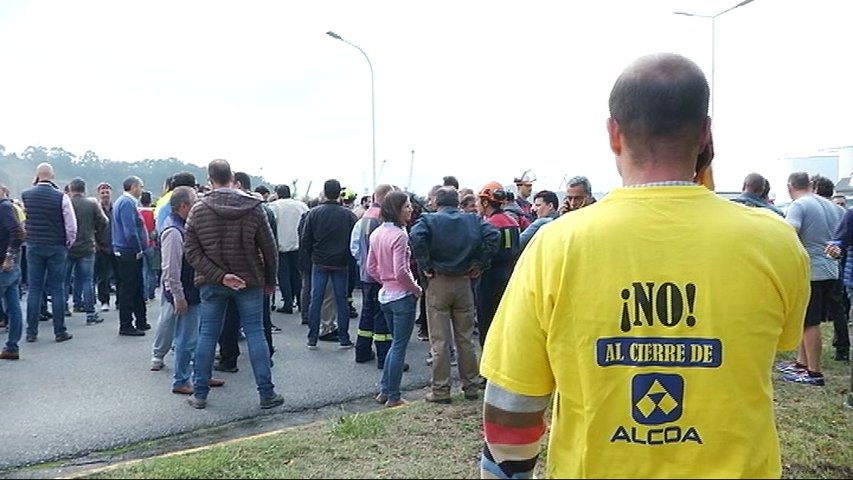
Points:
point(105, 307)
point(156, 364)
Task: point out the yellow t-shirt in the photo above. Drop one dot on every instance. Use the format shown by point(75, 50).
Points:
point(654, 316)
point(19, 212)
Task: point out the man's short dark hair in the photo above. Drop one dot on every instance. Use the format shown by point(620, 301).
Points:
point(447, 197)
point(145, 198)
point(180, 196)
point(77, 185)
point(183, 179)
point(548, 196)
point(244, 179)
point(754, 183)
point(282, 191)
point(332, 189)
point(131, 182)
point(450, 181)
point(799, 180)
point(468, 200)
point(262, 189)
point(219, 171)
point(661, 96)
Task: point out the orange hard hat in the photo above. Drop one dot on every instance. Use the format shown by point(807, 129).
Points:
point(493, 191)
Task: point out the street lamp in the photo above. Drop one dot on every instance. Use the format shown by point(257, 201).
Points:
point(372, 97)
point(713, 40)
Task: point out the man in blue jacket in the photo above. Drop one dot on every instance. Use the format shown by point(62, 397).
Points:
point(129, 245)
point(451, 247)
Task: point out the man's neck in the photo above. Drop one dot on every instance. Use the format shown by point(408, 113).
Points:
point(654, 169)
point(795, 194)
point(643, 177)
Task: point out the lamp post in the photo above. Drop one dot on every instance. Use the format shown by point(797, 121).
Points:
point(713, 40)
point(372, 98)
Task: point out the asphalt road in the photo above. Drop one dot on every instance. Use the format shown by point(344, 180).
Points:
point(96, 391)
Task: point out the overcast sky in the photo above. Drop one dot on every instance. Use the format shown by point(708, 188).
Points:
point(481, 90)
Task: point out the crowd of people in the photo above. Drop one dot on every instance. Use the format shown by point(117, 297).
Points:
point(616, 312)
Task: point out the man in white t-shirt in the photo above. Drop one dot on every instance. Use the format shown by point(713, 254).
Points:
point(287, 212)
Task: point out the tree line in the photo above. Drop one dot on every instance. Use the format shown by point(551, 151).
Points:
point(18, 171)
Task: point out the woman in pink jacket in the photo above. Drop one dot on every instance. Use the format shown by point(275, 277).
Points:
point(388, 262)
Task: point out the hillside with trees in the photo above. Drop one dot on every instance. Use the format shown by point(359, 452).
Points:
point(17, 171)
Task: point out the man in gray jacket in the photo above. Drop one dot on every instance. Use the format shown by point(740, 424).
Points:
point(91, 221)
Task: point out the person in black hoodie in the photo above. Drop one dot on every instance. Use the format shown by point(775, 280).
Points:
point(326, 236)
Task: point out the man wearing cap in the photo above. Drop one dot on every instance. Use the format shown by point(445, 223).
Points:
point(524, 185)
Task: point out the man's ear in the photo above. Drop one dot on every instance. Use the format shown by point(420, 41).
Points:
point(613, 132)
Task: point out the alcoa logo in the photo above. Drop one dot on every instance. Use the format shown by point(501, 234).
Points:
point(656, 399)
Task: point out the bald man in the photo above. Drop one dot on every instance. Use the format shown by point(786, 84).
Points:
point(755, 187)
point(51, 230)
point(646, 362)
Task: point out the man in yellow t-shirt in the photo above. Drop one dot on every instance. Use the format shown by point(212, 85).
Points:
point(650, 320)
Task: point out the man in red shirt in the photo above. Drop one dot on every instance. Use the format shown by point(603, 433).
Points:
point(151, 260)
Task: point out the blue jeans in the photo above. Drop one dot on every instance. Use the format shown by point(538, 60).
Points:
point(84, 281)
point(71, 289)
point(400, 316)
point(186, 338)
point(289, 278)
point(149, 274)
point(321, 275)
point(9, 282)
point(46, 273)
point(249, 303)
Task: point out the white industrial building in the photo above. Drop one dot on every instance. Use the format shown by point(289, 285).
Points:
point(835, 163)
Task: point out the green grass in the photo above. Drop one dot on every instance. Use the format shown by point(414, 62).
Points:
point(443, 441)
point(359, 425)
point(814, 427)
point(418, 441)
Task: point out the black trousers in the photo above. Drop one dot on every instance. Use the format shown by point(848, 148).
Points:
point(372, 327)
point(353, 279)
point(493, 282)
point(105, 267)
point(229, 350)
point(131, 302)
